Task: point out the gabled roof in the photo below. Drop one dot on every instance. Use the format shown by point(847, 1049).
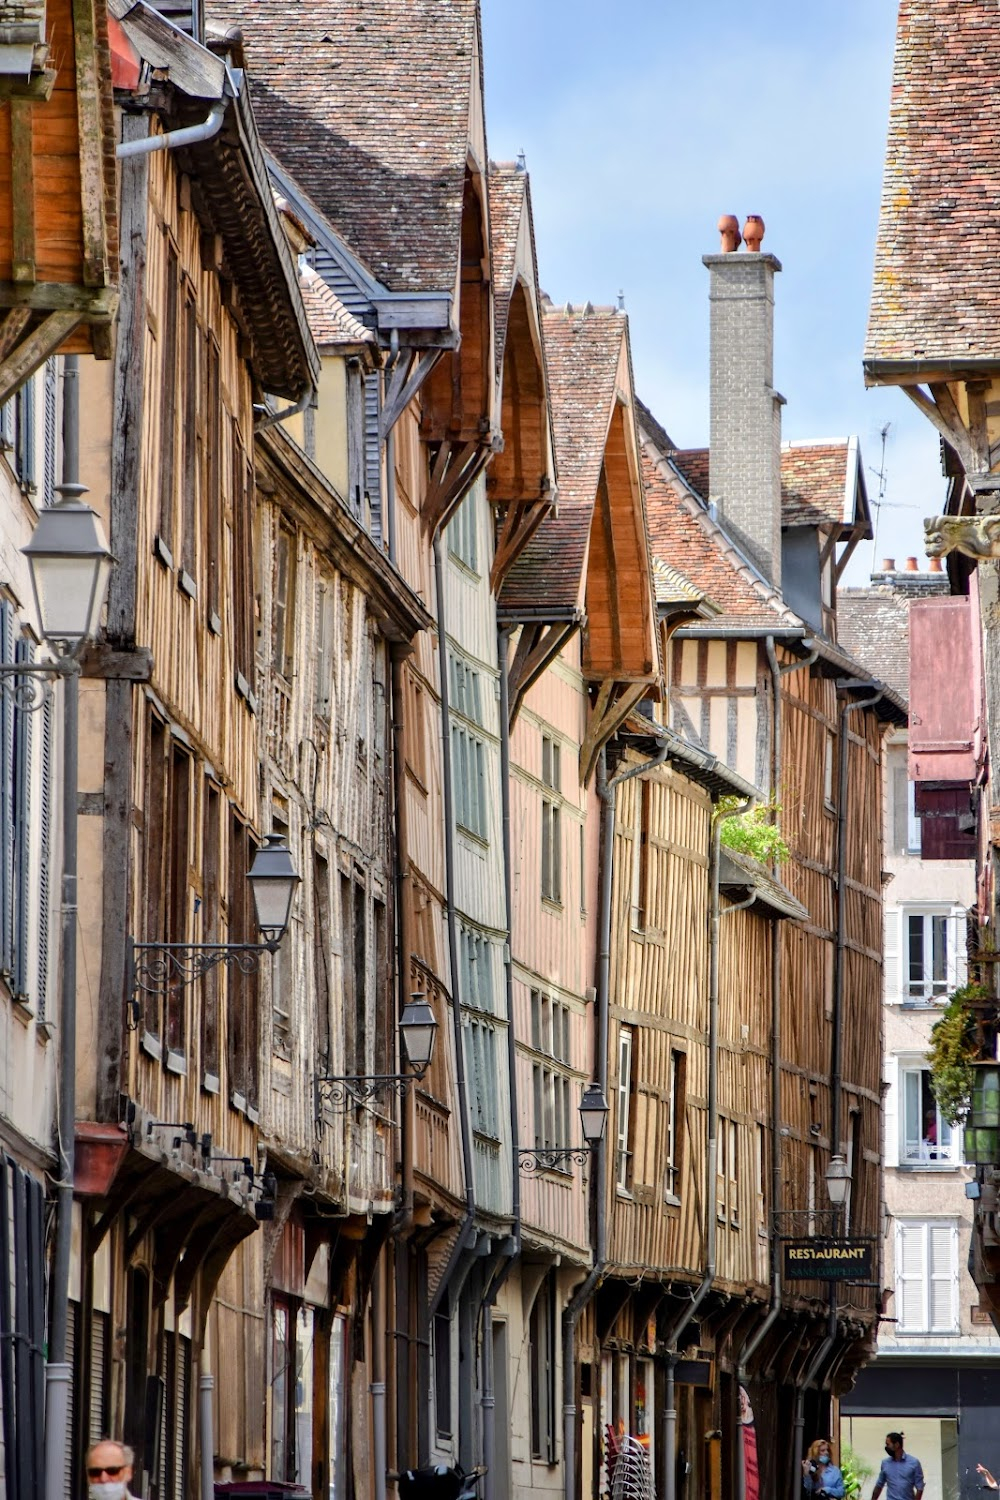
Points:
point(936, 282)
point(583, 348)
point(822, 484)
point(508, 195)
point(332, 325)
point(367, 103)
point(234, 193)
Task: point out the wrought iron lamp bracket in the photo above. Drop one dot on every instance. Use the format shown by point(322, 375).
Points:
point(344, 1091)
point(161, 969)
point(541, 1159)
point(30, 684)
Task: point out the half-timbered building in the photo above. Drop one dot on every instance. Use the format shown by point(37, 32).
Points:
point(169, 1282)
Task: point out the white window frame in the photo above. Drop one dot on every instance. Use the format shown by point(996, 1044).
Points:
point(925, 1231)
point(913, 831)
point(552, 1077)
point(915, 1150)
point(674, 1128)
point(897, 988)
point(551, 873)
point(623, 1156)
point(462, 533)
point(727, 1170)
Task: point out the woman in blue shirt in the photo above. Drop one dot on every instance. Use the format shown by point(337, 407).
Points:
point(820, 1475)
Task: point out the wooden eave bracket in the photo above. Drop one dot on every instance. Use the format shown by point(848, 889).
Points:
point(969, 441)
point(407, 375)
point(456, 467)
point(615, 700)
point(539, 643)
point(103, 661)
point(31, 353)
point(521, 520)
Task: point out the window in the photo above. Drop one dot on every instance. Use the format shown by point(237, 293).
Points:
point(464, 689)
point(325, 604)
point(912, 819)
point(18, 832)
point(552, 1084)
point(24, 436)
point(322, 961)
point(551, 829)
point(623, 1170)
point(924, 954)
point(210, 918)
point(414, 728)
point(242, 996)
point(583, 870)
point(727, 1174)
point(483, 1064)
point(283, 608)
point(192, 441)
point(475, 958)
point(462, 532)
point(829, 756)
point(178, 841)
point(542, 1366)
point(50, 432)
point(640, 858)
point(243, 592)
point(468, 757)
point(282, 975)
point(353, 976)
point(168, 394)
point(926, 1276)
point(926, 1138)
point(442, 1374)
point(675, 1127)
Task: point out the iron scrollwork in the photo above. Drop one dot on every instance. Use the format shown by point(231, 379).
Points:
point(344, 1092)
point(30, 685)
point(543, 1159)
point(161, 969)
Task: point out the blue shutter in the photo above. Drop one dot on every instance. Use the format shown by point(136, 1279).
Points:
point(44, 860)
point(7, 424)
point(6, 796)
point(49, 431)
point(373, 455)
point(25, 459)
point(22, 837)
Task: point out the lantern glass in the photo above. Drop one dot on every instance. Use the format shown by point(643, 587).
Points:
point(70, 563)
point(418, 1030)
point(837, 1181)
point(593, 1114)
point(985, 1104)
point(273, 879)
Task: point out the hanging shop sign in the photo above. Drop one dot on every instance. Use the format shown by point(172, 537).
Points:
point(828, 1260)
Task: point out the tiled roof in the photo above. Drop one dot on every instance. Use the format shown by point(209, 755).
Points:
point(684, 536)
point(582, 348)
point(507, 193)
point(672, 587)
point(937, 257)
point(330, 321)
point(873, 624)
point(367, 104)
point(813, 480)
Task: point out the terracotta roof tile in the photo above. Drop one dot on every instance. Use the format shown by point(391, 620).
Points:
point(582, 349)
point(508, 195)
point(813, 480)
point(367, 104)
point(331, 323)
point(672, 587)
point(937, 257)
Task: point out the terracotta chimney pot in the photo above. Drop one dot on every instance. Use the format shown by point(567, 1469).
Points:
point(911, 565)
point(753, 232)
point(935, 565)
point(888, 565)
point(729, 228)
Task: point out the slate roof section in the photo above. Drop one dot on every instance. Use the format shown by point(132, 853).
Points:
point(582, 350)
point(936, 281)
point(873, 624)
point(367, 104)
point(332, 325)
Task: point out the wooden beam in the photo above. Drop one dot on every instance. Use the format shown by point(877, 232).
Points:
point(23, 193)
point(615, 701)
point(96, 271)
point(975, 391)
point(451, 479)
point(405, 381)
point(541, 647)
point(30, 355)
point(11, 328)
point(58, 296)
point(521, 520)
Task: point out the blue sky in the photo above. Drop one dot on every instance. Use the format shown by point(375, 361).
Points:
point(642, 121)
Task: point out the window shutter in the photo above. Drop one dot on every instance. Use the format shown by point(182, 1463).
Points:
point(182, 1378)
point(891, 971)
point(69, 1489)
point(373, 457)
point(892, 1122)
point(957, 955)
point(943, 1276)
point(7, 716)
point(910, 1271)
point(22, 836)
point(44, 861)
point(899, 808)
point(7, 424)
point(26, 434)
point(49, 432)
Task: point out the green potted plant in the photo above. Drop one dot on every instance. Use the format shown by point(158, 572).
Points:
point(957, 1045)
point(854, 1470)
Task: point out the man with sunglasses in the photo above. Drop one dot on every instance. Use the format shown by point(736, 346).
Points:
point(109, 1469)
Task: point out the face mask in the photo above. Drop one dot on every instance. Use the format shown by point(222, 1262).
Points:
point(114, 1489)
point(824, 1458)
point(891, 1451)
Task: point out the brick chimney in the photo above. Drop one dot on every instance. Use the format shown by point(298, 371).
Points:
point(744, 468)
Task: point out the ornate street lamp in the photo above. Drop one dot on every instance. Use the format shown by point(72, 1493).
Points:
point(593, 1119)
point(838, 1181)
point(417, 1033)
point(982, 1124)
point(70, 564)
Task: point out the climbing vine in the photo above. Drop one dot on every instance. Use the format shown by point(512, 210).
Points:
point(756, 833)
point(954, 1050)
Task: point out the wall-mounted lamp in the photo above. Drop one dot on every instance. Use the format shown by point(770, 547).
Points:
point(838, 1180)
point(417, 1032)
point(160, 968)
point(593, 1119)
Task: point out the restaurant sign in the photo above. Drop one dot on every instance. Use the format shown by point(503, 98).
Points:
point(828, 1260)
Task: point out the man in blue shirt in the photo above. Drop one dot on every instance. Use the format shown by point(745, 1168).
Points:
point(900, 1476)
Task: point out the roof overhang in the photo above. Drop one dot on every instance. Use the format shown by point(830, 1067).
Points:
point(928, 371)
point(743, 878)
